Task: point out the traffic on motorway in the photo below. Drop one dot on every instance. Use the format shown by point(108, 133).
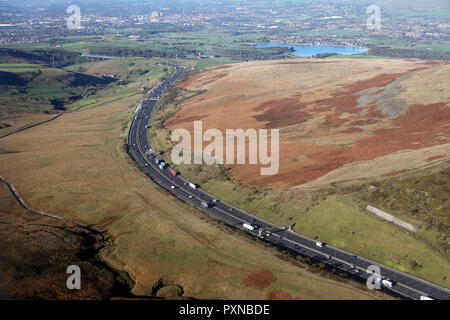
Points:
point(387, 278)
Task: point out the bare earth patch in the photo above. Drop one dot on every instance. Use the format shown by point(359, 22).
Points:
point(260, 279)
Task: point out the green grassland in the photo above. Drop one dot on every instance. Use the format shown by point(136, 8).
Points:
point(399, 44)
point(39, 90)
point(42, 85)
point(146, 72)
point(127, 69)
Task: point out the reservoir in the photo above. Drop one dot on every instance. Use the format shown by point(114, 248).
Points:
point(310, 50)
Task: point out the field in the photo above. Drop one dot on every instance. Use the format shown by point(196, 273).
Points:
point(346, 127)
point(76, 167)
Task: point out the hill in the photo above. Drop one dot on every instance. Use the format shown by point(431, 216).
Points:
point(31, 93)
point(352, 133)
point(339, 119)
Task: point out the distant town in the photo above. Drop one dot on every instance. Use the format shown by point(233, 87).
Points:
point(294, 22)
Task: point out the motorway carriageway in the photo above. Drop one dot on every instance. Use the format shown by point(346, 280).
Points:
point(139, 147)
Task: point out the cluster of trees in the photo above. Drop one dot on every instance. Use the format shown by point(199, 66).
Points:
point(51, 57)
point(409, 53)
point(132, 52)
point(255, 54)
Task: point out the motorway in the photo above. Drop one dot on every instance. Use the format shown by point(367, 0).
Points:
point(142, 152)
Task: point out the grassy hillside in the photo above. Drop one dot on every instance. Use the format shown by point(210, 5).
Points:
point(334, 210)
point(34, 88)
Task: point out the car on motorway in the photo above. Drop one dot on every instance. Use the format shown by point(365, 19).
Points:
point(205, 204)
point(320, 244)
point(172, 187)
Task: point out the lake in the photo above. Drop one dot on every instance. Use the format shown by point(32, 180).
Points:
point(310, 50)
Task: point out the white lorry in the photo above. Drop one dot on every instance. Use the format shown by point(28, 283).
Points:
point(249, 226)
point(320, 244)
point(193, 186)
point(387, 283)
